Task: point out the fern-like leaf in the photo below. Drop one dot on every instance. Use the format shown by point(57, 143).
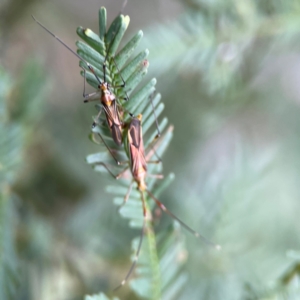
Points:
point(11, 142)
point(151, 266)
point(14, 131)
point(171, 254)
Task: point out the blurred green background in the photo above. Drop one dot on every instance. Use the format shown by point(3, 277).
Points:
point(229, 74)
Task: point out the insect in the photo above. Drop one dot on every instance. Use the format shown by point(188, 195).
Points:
point(107, 97)
point(134, 146)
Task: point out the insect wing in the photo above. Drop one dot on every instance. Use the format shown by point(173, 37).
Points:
point(136, 147)
point(135, 133)
point(116, 134)
point(113, 121)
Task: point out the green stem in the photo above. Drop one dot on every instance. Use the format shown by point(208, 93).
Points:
point(154, 260)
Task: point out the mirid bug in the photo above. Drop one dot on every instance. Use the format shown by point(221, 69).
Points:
point(134, 146)
point(105, 94)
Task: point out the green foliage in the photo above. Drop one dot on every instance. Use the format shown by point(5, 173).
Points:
point(231, 60)
point(284, 287)
point(170, 256)
point(11, 142)
point(16, 115)
point(212, 39)
point(9, 264)
point(228, 72)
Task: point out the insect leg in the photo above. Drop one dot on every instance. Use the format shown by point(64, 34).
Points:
point(95, 123)
point(153, 161)
point(111, 152)
point(121, 173)
point(126, 196)
point(85, 95)
point(107, 169)
point(195, 233)
point(117, 176)
point(123, 6)
point(124, 109)
point(151, 145)
point(157, 176)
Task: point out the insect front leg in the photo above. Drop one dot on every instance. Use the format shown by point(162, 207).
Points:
point(96, 119)
point(87, 97)
point(126, 196)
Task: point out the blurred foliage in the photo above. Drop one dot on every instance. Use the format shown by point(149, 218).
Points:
point(228, 72)
point(229, 60)
point(213, 39)
point(15, 132)
point(10, 12)
point(285, 287)
point(11, 141)
point(101, 296)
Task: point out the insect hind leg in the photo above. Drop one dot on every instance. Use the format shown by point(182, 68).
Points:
point(188, 228)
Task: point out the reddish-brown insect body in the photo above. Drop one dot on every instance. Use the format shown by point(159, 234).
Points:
point(108, 101)
point(138, 162)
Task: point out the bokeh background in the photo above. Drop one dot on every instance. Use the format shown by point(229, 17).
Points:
point(228, 72)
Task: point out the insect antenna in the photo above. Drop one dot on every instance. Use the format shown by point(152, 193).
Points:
point(123, 6)
point(68, 47)
point(136, 257)
point(195, 233)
